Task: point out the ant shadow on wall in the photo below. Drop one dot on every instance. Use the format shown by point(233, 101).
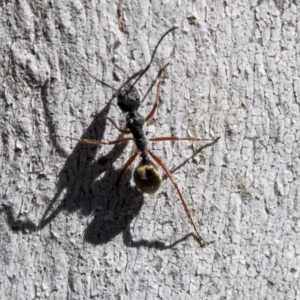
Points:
point(112, 209)
point(79, 180)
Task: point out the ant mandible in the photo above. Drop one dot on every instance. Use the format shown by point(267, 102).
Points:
point(146, 175)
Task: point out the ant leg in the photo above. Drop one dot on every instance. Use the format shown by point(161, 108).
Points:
point(175, 138)
point(150, 115)
point(94, 142)
point(159, 161)
point(122, 140)
point(126, 166)
point(124, 131)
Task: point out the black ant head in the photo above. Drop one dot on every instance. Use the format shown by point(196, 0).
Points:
point(129, 99)
point(147, 177)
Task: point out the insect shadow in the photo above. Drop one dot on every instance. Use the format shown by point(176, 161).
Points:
point(88, 184)
point(79, 189)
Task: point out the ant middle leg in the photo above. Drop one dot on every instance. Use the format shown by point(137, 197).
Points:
point(175, 138)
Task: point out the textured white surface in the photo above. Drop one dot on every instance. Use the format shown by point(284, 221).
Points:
point(234, 73)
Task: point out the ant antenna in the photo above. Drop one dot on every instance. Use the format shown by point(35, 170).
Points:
point(139, 77)
point(148, 66)
point(102, 82)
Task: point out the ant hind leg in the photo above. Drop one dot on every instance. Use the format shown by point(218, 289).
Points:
point(126, 166)
point(159, 161)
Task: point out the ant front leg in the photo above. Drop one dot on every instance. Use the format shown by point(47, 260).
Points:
point(150, 115)
point(124, 131)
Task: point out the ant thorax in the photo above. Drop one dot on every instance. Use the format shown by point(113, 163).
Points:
point(135, 123)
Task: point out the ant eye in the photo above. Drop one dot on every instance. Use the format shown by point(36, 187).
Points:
point(147, 177)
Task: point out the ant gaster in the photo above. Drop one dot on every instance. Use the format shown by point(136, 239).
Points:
point(146, 175)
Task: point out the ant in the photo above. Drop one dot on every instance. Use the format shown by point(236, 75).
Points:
point(146, 175)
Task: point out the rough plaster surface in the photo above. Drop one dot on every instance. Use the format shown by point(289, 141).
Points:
point(67, 232)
